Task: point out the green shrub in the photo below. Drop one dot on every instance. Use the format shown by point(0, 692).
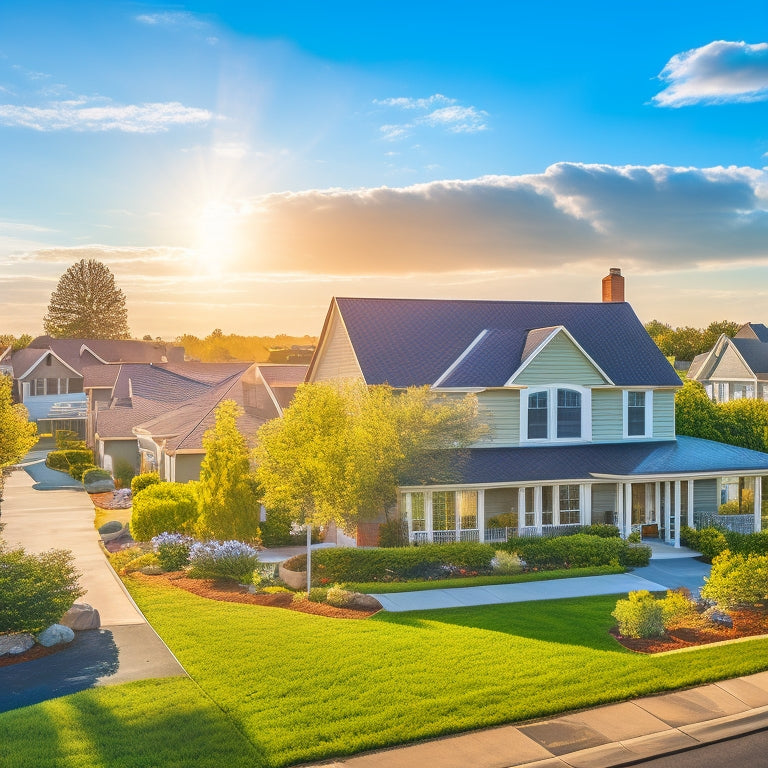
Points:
point(393, 533)
point(604, 530)
point(140, 482)
point(67, 438)
point(316, 595)
point(747, 543)
point(737, 580)
point(64, 460)
point(139, 562)
point(640, 615)
point(223, 560)
point(172, 550)
point(95, 474)
point(504, 520)
point(163, 508)
point(635, 537)
point(118, 560)
point(339, 597)
point(709, 541)
point(729, 508)
point(36, 590)
point(427, 561)
point(77, 471)
point(506, 562)
point(678, 608)
point(123, 472)
point(580, 550)
point(275, 589)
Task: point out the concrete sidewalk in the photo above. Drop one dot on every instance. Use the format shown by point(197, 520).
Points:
point(125, 648)
point(614, 735)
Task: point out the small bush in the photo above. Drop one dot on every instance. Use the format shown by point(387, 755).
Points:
point(339, 597)
point(393, 533)
point(678, 608)
point(163, 507)
point(504, 520)
point(580, 550)
point(77, 471)
point(139, 562)
point(709, 541)
point(275, 590)
point(316, 595)
point(635, 537)
point(36, 590)
point(65, 460)
point(223, 560)
point(172, 550)
point(118, 560)
point(140, 482)
point(604, 530)
point(737, 580)
point(640, 615)
point(729, 508)
point(67, 438)
point(506, 562)
point(123, 472)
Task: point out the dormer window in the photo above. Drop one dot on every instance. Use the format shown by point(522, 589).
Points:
point(556, 413)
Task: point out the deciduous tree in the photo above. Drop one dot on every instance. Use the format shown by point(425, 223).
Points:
point(17, 433)
point(87, 304)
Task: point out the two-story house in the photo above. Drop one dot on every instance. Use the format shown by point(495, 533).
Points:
point(580, 405)
point(735, 367)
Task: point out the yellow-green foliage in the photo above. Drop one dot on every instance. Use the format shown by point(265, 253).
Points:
point(737, 580)
point(506, 562)
point(640, 615)
point(164, 508)
point(148, 558)
point(120, 559)
point(338, 597)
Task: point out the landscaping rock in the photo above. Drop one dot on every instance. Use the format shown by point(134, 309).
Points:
point(359, 602)
point(55, 635)
point(81, 616)
point(15, 643)
point(151, 570)
point(100, 486)
point(721, 619)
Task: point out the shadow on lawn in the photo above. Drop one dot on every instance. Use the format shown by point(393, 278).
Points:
point(573, 621)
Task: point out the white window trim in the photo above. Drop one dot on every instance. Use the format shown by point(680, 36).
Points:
point(551, 389)
point(648, 414)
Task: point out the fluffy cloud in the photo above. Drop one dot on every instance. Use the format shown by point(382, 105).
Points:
point(171, 19)
point(716, 73)
point(78, 115)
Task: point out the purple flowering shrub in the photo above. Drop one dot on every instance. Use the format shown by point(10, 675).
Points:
point(223, 560)
point(172, 550)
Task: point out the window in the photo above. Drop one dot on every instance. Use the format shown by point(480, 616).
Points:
point(38, 387)
point(635, 414)
point(722, 391)
point(537, 416)
point(530, 510)
point(547, 510)
point(418, 517)
point(443, 511)
point(570, 512)
point(467, 502)
point(51, 386)
point(568, 413)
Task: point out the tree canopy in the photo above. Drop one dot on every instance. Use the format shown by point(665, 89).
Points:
point(341, 449)
point(685, 343)
point(227, 495)
point(14, 342)
point(17, 433)
point(87, 304)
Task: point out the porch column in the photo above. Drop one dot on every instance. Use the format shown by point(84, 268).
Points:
point(481, 514)
point(586, 504)
point(690, 502)
point(627, 509)
point(657, 503)
point(520, 508)
point(620, 508)
point(537, 508)
point(758, 503)
point(678, 514)
point(667, 510)
point(428, 514)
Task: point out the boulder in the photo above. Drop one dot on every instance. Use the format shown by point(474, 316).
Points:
point(151, 570)
point(100, 486)
point(360, 602)
point(81, 616)
point(15, 643)
point(55, 635)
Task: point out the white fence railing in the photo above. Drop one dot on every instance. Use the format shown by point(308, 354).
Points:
point(491, 535)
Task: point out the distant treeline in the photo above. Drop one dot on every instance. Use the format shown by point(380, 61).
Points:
point(685, 343)
point(219, 347)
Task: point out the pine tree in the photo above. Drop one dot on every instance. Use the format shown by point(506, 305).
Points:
point(87, 304)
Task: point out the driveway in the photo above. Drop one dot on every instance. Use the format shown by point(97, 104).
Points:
point(40, 513)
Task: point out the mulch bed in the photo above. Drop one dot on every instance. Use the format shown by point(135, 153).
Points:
point(35, 652)
point(230, 592)
point(745, 624)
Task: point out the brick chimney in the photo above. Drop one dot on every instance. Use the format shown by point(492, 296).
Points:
point(613, 285)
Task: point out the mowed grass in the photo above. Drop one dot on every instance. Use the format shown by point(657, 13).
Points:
point(390, 587)
point(302, 688)
point(165, 723)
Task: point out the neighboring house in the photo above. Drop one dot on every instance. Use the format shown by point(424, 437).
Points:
point(735, 367)
point(580, 405)
point(48, 374)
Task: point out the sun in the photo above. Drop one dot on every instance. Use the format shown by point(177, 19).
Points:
point(217, 240)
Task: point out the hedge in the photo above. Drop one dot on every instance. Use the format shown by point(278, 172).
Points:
point(580, 550)
point(711, 541)
point(428, 561)
point(66, 459)
point(164, 507)
point(144, 480)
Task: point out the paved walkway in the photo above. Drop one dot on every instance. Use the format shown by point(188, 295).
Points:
point(125, 648)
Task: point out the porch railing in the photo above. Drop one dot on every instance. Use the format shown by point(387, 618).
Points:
point(736, 523)
point(492, 535)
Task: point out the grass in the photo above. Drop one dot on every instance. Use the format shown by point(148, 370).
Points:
point(389, 587)
point(301, 687)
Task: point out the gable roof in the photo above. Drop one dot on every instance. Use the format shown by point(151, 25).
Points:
point(413, 342)
point(754, 353)
point(753, 331)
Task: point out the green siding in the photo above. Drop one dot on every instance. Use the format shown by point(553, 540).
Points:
point(705, 496)
point(188, 466)
point(663, 414)
point(607, 415)
point(560, 361)
point(500, 410)
point(122, 450)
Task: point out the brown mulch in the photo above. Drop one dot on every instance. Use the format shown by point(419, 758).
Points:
point(35, 652)
point(230, 592)
point(745, 624)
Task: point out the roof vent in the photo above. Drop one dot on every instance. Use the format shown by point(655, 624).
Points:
point(613, 286)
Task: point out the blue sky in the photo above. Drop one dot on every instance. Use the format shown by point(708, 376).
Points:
point(238, 164)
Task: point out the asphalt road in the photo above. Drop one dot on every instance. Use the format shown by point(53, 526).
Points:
point(750, 750)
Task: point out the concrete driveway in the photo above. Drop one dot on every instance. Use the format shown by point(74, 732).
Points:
point(126, 647)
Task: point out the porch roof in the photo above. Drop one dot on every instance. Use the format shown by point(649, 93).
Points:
point(683, 456)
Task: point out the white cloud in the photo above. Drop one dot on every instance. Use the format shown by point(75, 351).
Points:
point(716, 73)
point(405, 102)
point(394, 132)
point(171, 19)
point(77, 115)
point(457, 119)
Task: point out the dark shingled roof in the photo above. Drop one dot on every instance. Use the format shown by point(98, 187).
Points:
point(754, 352)
point(753, 330)
point(412, 342)
point(686, 455)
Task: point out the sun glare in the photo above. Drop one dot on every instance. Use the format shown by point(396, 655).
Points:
point(218, 239)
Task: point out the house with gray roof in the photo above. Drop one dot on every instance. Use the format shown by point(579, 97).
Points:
point(580, 405)
point(48, 374)
point(735, 367)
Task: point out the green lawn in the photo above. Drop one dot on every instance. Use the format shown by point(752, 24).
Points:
point(389, 587)
point(303, 688)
